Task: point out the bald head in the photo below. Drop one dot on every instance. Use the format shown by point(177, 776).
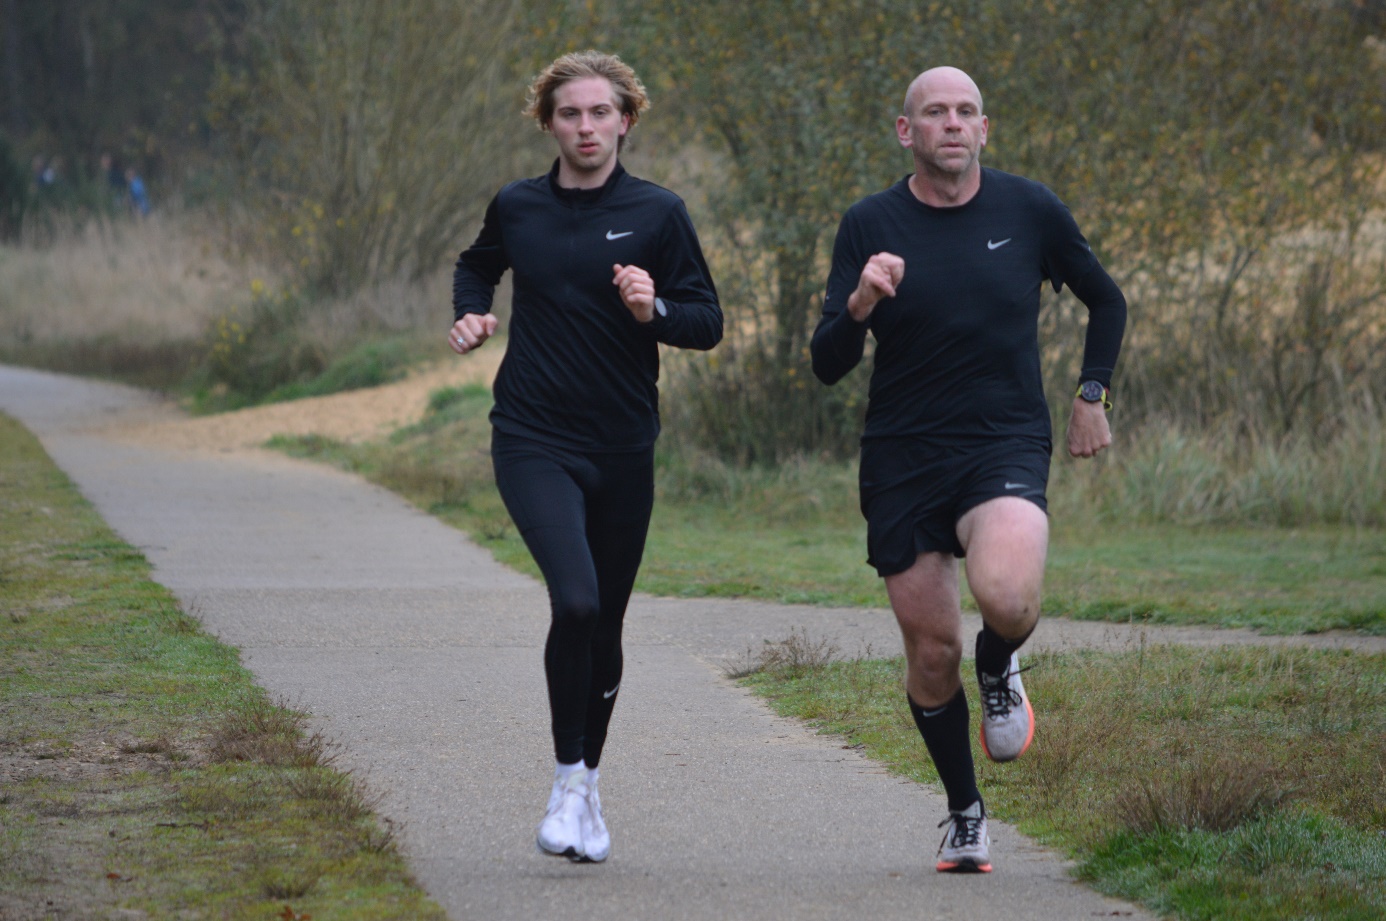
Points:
point(939, 80)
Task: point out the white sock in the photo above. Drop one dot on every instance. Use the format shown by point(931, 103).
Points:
point(564, 771)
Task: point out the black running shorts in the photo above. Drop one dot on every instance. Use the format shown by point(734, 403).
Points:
point(913, 492)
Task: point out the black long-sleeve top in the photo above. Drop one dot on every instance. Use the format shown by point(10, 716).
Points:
point(579, 370)
point(957, 348)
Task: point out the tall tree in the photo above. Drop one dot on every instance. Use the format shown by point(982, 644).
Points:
point(370, 134)
point(125, 76)
point(1223, 156)
point(14, 81)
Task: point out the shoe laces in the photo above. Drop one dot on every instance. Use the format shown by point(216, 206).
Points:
point(998, 695)
point(966, 831)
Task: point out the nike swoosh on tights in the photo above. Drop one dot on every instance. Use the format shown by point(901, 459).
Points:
point(616, 236)
point(991, 245)
point(1017, 485)
point(607, 695)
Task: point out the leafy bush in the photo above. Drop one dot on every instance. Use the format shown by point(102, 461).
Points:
point(251, 353)
point(368, 365)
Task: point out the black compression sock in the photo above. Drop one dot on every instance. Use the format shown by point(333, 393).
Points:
point(994, 652)
point(946, 735)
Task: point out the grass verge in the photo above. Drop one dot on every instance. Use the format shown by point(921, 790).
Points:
point(141, 770)
point(1238, 783)
point(793, 534)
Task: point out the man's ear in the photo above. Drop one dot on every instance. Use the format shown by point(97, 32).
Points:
point(902, 131)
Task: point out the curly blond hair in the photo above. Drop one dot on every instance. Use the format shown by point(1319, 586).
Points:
point(630, 92)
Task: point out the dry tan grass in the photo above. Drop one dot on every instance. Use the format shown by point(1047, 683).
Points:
point(164, 277)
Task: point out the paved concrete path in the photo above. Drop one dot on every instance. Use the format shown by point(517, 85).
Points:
point(420, 655)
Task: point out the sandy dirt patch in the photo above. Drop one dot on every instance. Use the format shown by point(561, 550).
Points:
point(353, 416)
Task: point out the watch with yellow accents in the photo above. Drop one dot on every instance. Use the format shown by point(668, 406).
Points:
point(1093, 392)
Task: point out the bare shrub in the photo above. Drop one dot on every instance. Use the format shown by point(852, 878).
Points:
point(791, 657)
point(1212, 792)
point(369, 135)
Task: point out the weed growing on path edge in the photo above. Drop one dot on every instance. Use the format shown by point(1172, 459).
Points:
point(142, 769)
point(790, 657)
point(1225, 783)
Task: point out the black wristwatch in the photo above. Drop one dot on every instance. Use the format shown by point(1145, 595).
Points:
point(1094, 392)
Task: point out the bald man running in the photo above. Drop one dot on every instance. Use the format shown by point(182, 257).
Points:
point(945, 269)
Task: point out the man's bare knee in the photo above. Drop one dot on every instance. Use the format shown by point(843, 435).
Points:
point(934, 657)
point(1007, 542)
point(932, 675)
point(1011, 609)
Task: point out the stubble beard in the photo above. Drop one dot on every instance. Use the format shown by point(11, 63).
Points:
point(946, 172)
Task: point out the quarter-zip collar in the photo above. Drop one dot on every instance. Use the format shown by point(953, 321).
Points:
point(579, 198)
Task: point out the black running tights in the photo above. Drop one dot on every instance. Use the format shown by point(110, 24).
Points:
point(584, 517)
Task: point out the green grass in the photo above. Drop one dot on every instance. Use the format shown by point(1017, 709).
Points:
point(1276, 580)
point(367, 365)
point(1233, 783)
point(794, 534)
point(143, 768)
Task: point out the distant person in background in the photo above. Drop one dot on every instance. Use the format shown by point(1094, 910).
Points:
point(606, 268)
point(139, 198)
point(114, 177)
point(47, 172)
point(945, 270)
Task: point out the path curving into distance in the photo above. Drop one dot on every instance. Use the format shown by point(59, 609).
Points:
point(421, 657)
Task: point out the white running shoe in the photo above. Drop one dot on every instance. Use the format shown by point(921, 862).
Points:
point(966, 846)
point(596, 840)
point(1008, 721)
point(560, 834)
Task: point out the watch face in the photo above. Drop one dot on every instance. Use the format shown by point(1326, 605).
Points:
point(1091, 391)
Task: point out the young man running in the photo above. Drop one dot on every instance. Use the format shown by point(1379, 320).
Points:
point(944, 269)
point(606, 266)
